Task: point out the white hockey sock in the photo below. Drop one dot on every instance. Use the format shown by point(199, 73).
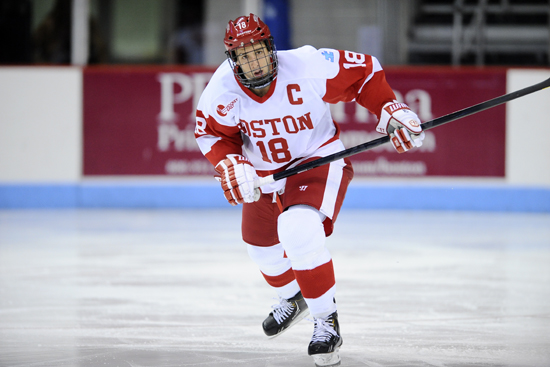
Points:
point(302, 236)
point(272, 263)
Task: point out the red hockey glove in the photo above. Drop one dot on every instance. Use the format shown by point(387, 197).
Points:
point(237, 179)
point(402, 125)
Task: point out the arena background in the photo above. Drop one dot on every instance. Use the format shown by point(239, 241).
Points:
point(119, 134)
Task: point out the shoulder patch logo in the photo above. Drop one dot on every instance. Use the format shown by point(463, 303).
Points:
point(328, 55)
point(223, 110)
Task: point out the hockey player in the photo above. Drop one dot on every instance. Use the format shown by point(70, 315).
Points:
point(264, 111)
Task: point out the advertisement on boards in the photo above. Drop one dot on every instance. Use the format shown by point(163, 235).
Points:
point(141, 121)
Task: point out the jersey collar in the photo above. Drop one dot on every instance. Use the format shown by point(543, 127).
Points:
point(256, 97)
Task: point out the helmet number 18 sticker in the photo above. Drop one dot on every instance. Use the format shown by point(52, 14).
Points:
point(240, 25)
point(354, 60)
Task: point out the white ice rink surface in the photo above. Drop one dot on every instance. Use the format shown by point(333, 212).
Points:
point(176, 288)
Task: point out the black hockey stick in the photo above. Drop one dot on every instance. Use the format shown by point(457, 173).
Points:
point(425, 126)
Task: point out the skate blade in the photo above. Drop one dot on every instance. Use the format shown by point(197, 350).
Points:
point(327, 360)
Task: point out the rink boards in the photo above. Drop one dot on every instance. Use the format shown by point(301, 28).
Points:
point(74, 138)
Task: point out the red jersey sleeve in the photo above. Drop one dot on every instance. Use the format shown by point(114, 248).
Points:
point(216, 140)
point(360, 78)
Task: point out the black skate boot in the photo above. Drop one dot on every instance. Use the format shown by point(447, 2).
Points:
point(326, 341)
point(285, 314)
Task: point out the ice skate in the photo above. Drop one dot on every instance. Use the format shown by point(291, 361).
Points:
point(326, 341)
point(285, 314)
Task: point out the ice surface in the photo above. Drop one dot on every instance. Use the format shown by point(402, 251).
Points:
point(176, 288)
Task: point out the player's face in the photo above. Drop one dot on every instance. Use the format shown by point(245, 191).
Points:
point(254, 60)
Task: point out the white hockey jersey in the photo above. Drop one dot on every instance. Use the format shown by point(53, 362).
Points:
point(292, 122)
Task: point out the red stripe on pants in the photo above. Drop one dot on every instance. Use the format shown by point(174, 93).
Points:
point(316, 282)
point(280, 280)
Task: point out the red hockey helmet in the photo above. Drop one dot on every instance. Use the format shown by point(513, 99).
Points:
point(245, 31)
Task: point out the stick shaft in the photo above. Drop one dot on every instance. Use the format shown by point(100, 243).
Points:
point(425, 126)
